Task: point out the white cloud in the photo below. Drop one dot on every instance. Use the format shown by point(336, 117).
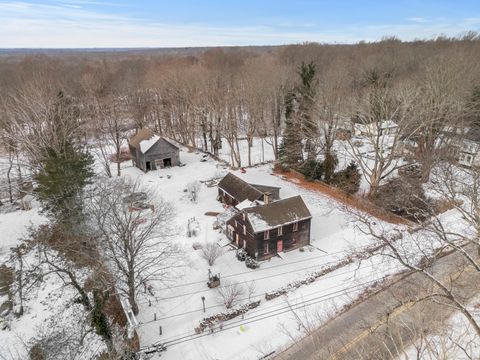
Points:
point(418, 19)
point(68, 24)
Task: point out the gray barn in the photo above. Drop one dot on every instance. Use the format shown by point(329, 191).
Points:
point(152, 152)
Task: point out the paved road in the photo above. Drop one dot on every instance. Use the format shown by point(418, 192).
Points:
point(388, 320)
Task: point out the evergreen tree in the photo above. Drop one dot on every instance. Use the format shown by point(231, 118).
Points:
point(61, 181)
point(65, 165)
point(312, 170)
point(99, 320)
point(348, 179)
point(306, 95)
point(290, 151)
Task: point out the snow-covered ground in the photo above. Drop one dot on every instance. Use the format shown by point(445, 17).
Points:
point(48, 308)
point(457, 340)
point(261, 151)
point(177, 306)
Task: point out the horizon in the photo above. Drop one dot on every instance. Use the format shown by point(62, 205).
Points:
point(146, 24)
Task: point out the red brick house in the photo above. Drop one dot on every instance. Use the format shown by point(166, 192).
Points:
point(266, 230)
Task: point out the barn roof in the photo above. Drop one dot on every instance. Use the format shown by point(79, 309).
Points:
point(281, 212)
point(141, 135)
point(239, 189)
point(145, 139)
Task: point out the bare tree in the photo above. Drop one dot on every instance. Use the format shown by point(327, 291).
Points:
point(211, 252)
point(379, 155)
point(230, 293)
point(420, 250)
point(441, 111)
point(193, 188)
point(135, 235)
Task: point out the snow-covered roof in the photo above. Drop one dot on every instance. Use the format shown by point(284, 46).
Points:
point(145, 145)
point(278, 213)
point(245, 204)
point(386, 124)
point(239, 189)
point(145, 139)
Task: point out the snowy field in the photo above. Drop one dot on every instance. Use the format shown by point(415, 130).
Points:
point(176, 305)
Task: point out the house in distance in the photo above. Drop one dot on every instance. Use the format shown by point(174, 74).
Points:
point(152, 152)
point(268, 229)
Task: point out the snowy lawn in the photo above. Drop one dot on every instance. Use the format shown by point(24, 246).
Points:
point(177, 305)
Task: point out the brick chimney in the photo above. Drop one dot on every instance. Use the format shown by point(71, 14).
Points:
point(266, 198)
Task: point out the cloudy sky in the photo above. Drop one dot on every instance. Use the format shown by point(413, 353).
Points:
point(185, 23)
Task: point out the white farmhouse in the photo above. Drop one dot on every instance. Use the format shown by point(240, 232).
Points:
point(469, 147)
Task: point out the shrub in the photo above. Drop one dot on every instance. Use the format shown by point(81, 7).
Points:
point(348, 179)
point(312, 169)
point(211, 252)
point(404, 197)
point(230, 293)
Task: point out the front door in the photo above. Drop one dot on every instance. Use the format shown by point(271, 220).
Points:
point(279, 246)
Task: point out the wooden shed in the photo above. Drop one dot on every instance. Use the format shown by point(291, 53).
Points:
point(152, 152)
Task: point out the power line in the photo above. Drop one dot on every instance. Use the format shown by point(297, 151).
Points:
point(255, 295)
point(238, 283)
point(263, 316)
point(262, 269)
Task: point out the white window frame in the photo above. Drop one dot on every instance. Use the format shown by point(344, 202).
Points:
point(266, 235)
point(266, 248)
point(295, 226)
point(280, 231)
point(244, 230)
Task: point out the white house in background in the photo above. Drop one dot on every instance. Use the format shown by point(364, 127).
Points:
point(469, 147)
point(384, 127)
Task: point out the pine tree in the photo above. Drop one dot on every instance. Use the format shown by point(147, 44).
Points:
point(99, 320)
point(348, 179)
point(65, 166)
point(290, 151)
point(306, 94)
point(61, 181)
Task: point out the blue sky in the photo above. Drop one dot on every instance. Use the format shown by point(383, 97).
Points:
point(182, 23)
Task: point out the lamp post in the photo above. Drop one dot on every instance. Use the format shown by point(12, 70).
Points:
point(203, 301)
